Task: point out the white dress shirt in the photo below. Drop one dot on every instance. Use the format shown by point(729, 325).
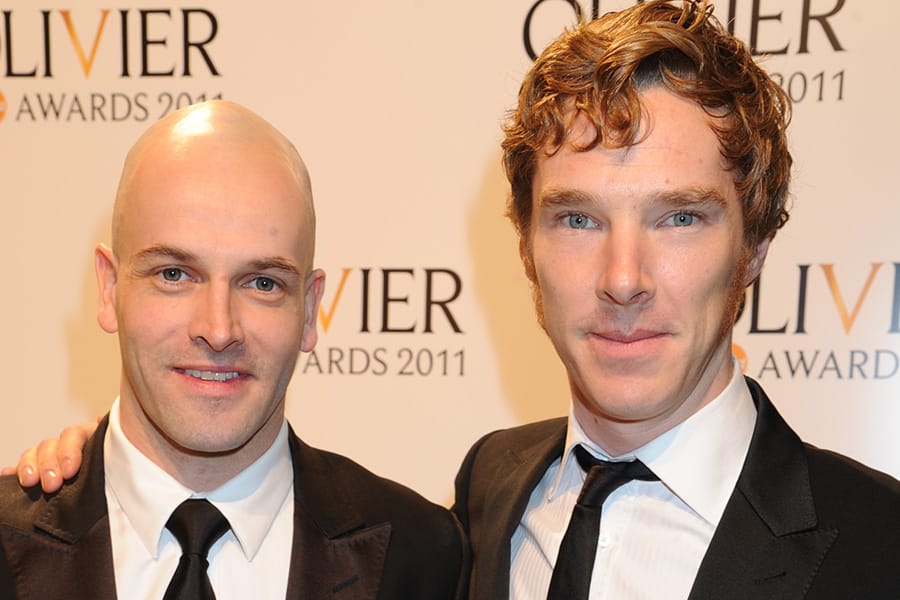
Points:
point(653, 534)
point(252, 560)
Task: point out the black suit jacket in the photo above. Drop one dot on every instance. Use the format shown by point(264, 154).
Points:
point(801, 523)
point(356, 536)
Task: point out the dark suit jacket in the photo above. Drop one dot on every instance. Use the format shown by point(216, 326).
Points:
point(801, 523)
point(356, 536)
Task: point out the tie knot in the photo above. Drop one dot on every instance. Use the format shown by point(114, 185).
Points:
point(197, 524)
point(604, 477)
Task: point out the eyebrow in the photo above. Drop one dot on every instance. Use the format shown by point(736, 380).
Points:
point(690, 196)
point(162, 251)
point(684, 197)
point(562, 197)
point(275, 263)
point(267, 263)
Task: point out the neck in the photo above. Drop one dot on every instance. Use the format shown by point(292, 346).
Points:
point(204, 473)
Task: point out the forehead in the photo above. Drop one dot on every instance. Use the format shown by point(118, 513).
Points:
point(210, 196)
point(677, 149)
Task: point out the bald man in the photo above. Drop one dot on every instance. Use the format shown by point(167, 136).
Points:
point(209, 284)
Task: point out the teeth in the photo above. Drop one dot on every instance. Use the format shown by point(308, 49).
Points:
point(212, 375)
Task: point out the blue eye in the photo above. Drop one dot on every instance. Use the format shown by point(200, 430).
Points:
point(172, 274)
point(578, 221)
point(682, 219)
point(264, 284)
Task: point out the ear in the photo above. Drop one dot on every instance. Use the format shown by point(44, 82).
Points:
point(106, 268)
point(315, 287)
point(755, 264)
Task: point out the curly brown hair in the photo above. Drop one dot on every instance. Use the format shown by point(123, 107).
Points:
point(599, 68)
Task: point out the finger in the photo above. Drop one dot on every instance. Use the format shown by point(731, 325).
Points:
point(27, 468)
point(71, 446)
point(48, 465)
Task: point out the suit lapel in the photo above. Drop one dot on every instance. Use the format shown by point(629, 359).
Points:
point(68, 552)
point(334, 555)
point(767, 544)
point(518, 473)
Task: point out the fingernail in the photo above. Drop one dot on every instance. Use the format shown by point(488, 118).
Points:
point(66, 464)
point(51, 473)
point(28, 471)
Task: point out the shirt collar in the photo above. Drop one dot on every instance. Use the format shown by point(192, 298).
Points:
point(148, 495)
point(699, 460)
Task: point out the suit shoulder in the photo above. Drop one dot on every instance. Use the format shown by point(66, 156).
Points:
point(20, 507)
point(521, 437)
point(376, 489)
point(380, 499)
point(861, 508)
point(836, 475)
point(861, 503)
point(426, 538)
point(535, 443)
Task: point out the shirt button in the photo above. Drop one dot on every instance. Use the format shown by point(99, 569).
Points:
point(603, 542)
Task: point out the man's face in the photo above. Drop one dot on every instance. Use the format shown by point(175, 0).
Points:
point(211, 293)
point(639, 260)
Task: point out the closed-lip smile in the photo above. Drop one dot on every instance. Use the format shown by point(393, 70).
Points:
point(622, 337)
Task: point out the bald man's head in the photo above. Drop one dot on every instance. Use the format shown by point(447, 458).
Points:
point(210, 287)
point(201, 132)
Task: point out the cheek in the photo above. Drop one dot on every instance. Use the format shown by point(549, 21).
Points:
point(717, 301)
point(143, 319)
point(707, 291)
point(277, 334)
point(145, 322)
point(556, 288)
point(564, 272)
point(138, 303)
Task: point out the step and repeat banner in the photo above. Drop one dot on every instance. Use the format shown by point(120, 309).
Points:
point(427, 331)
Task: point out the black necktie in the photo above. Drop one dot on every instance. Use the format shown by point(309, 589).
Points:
point(571, 578)
point(196, 524)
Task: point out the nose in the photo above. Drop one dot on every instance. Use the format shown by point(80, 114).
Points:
point(624, 274)
point(215, 321)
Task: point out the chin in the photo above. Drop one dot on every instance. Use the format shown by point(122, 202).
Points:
point(219, 441)
point(625, 398)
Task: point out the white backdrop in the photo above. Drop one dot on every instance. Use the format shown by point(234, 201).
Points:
point(396, 108)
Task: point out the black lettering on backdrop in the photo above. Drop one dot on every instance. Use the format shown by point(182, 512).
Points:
point(159, 43)
point(755, 308)
point(146, 42)
point(387, 300)
point(199, 45)
point(526, 31)
point(430, 301)
point(754, 29)
point(758, 19)
point(391, 301)
point(754, 313)
point(895, 309)
point(823, 21)
point(7, 40)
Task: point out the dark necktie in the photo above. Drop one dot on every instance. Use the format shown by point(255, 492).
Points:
point(196, 524)
point(571, 578)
